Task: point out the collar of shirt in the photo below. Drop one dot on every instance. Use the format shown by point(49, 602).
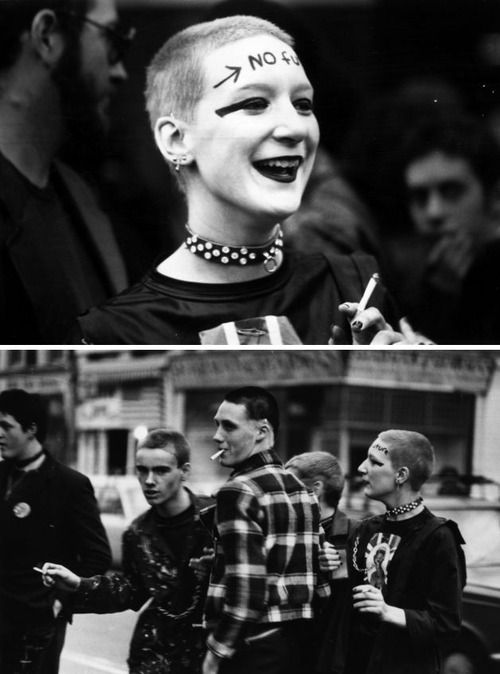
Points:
point(264, 458)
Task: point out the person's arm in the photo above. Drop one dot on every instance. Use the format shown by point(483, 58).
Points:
point(440, 619)
point(110, 593)
point(245, 574)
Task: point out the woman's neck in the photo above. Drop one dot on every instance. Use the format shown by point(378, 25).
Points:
point(182, 265)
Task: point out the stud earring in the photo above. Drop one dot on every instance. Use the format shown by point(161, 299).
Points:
point(178, 160)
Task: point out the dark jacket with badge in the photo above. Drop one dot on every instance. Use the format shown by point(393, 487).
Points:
point(168, 632)
point(52, 515)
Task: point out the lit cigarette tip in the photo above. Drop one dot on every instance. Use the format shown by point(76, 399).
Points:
point(216, 455)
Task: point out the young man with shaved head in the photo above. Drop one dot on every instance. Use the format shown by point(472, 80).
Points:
point(267, 532)
point(158, 575)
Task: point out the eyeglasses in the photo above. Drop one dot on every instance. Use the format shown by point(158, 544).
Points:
point(118, 39)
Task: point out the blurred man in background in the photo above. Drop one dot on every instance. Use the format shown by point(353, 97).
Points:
point(60, 65)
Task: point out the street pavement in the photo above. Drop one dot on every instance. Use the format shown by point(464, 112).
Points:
point(98, 644)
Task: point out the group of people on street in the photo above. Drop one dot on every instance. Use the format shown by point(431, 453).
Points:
point(268, 575)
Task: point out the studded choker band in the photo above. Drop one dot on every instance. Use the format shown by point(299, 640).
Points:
point(402, 509)
point(236, 255)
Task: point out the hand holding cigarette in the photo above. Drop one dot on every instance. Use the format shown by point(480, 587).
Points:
point(56, 575)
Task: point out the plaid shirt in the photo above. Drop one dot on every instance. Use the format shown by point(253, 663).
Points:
point(266, 567)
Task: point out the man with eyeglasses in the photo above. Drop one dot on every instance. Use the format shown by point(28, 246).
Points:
point(61, 63)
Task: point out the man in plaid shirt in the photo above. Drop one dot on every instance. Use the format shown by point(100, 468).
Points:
point(267, 537)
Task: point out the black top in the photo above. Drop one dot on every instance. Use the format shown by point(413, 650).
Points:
point(49, 515)
point(50, 266)
point(307, 289)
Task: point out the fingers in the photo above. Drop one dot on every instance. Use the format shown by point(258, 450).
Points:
point(367, 598)
point(338, 337)
point(59, 576)
point(409, 334)
point(329, 558)
point(387, 337)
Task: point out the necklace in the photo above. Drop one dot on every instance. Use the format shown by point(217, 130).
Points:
point(402, 509)
point(236, 255)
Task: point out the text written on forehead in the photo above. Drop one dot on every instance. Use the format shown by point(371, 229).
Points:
point(267, 58)
point(380, 448)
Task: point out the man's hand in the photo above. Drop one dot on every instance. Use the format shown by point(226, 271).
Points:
point(211, 663)
point(202, 565)
point(56, 575)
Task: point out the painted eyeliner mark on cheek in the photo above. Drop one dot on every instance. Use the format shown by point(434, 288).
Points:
point(222, 112)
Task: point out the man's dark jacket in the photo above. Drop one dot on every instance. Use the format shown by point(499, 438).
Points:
point(50, 515)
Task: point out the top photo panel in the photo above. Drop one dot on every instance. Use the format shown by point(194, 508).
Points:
point(249, 173)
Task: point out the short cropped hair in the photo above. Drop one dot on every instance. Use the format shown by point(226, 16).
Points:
point(413, 450)
point(175, 80)
point(16, 17)
point(311, 466)
point(164, 438)
point(259, 404)
point(26, 408)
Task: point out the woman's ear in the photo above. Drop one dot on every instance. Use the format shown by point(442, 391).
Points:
point(170, 139)
point(403, 474)
point(46, 37)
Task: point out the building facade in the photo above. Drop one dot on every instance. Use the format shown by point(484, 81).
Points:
point(101, 401)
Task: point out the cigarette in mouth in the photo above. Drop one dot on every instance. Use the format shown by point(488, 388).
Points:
point(216, 455)
point(370, 287)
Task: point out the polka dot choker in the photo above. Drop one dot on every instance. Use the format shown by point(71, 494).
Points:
point(236, 255)
point(402, 509)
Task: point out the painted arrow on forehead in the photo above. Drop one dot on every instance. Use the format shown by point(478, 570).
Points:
point(236, 70)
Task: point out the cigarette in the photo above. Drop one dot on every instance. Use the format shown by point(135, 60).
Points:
point(216, 455)
point(35, 568)
point(370, 287)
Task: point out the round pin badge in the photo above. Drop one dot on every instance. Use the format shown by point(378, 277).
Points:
point(21, 510)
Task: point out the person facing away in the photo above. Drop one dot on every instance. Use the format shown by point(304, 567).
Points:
point(157, 549)
point(47, 511)
point(232, 112)
point(406, 567)
point(321, 472)
point(265, 573)
point(60, 65)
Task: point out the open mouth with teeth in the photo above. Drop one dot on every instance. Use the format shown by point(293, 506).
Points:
point(282, 169)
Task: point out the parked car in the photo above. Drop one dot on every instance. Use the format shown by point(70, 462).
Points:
point(120, 500)
point(477, 650)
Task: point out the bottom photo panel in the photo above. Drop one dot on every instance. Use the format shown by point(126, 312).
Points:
point(243, 511)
